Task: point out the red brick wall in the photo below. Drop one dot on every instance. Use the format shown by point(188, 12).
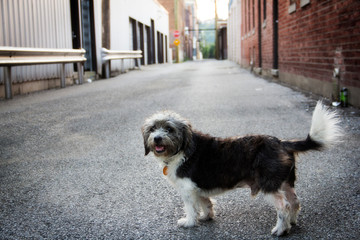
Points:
point(320, 36)
point(267, 36)
point(250, 34)
point(169, 5)
point(312, 41)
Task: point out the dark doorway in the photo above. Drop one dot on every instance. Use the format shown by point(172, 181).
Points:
point(153, 56)
point(105, 21)
point(134, 34)
point(259, 32)
point(166, 49)
point(134, 37)
point(75, 25)
point(105, 8)
point(88, 34)
point(160, 47)
point(141, 32)
point(83, 35)
point(148, 44)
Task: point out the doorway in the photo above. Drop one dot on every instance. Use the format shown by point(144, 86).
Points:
point(83, 33)
point(148, 45)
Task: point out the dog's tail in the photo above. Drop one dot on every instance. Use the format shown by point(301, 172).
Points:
point(324, 132)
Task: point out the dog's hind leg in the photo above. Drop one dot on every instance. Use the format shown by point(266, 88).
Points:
point(278, 199)
point(206, 206)
point(293, 200)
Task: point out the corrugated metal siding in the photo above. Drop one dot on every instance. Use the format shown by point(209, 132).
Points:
point(36, 23)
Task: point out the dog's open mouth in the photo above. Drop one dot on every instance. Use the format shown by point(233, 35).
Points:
point(159, 148)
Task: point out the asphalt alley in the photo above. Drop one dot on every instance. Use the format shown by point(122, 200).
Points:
point(72, 161)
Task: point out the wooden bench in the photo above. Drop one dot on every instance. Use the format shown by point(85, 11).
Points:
point(16, 56)
point(108, 55)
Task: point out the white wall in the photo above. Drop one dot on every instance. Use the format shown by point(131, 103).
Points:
point(47, 24)
point(142, 11)
point(98, 33)
point(234, 32)
point(36, 24)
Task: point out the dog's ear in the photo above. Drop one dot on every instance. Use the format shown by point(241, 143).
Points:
point(145, 137)
point(147, 149)
point(188, 142)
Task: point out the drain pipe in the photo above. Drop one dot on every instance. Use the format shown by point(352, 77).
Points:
point(275, 70)
point(259, 32)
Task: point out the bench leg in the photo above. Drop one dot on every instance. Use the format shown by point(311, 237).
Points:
point(107, 69)
point(62, 75)
point(8, 83)
point(80, 69)
point(139, 63)
point(122, 66)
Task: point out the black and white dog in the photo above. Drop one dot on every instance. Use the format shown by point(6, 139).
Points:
point(201, 166)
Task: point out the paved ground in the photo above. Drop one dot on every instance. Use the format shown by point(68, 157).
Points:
point(72, 162)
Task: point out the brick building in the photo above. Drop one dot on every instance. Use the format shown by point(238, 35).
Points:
point(303, 42)
point(191, 31)
point(182, 18)
point(176, 9)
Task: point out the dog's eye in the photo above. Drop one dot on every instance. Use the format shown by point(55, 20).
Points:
point(170, 129)
point(152, 129)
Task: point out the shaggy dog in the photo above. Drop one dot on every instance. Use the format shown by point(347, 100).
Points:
point(200, 166)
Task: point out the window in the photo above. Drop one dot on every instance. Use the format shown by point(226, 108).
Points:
point(292, 6)
point(303, 3)
point(264, 9)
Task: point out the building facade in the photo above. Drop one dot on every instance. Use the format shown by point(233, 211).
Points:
point(176, 10)
point(143, 28)
point(88, 24)
point(233, 31)
point(26, 24)
point(183, 19)
point(191, 31)
point(309, 44)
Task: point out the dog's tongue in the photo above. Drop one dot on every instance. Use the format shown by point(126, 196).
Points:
point(159, 148)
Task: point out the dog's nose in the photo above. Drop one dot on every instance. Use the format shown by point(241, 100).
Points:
point(157, 139)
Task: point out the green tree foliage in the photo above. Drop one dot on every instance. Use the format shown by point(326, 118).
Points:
point(208, 50)
point(207, 45)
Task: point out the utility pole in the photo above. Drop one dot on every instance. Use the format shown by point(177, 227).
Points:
point(216, 33)
point(177, 28)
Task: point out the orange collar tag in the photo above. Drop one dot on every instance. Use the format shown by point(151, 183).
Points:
point(165, 170)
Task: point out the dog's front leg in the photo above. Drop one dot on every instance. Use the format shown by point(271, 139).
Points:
point(191, 213)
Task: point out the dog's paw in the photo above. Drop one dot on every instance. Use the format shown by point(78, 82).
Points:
point(186, 222)
point(206, 217)
point(280, 230)
point(293, 221)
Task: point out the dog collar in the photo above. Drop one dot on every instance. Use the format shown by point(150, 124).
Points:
point(165, 169)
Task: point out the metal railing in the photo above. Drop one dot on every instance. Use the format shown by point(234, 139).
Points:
point(16, 56)
point(108, 55)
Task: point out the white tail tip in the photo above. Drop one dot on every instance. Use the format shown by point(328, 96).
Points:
point(325, 127)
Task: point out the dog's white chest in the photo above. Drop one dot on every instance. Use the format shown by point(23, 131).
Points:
point(169, 170)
